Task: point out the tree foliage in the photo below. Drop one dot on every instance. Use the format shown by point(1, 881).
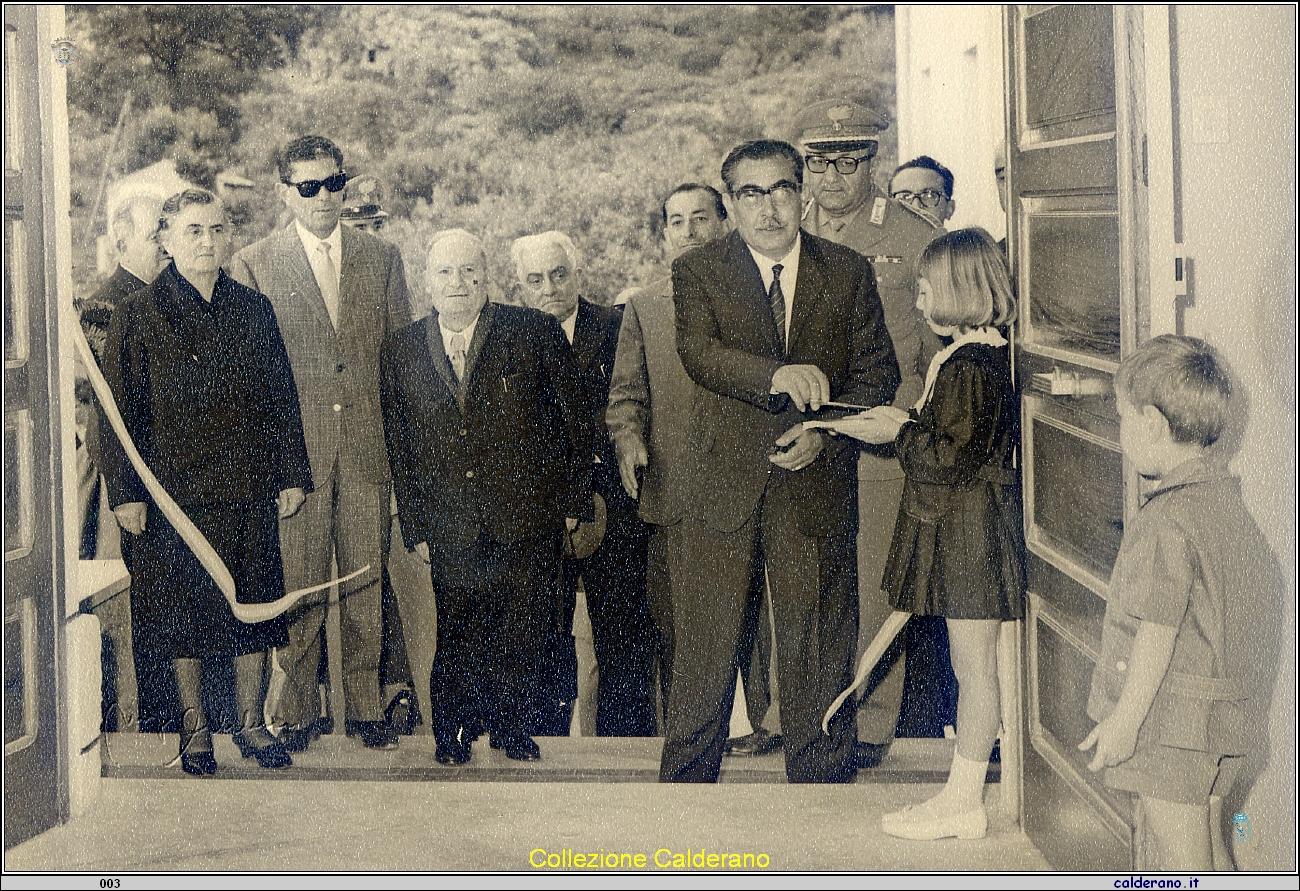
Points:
point(502, 119)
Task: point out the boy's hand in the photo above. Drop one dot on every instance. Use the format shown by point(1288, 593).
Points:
point(1115, 740)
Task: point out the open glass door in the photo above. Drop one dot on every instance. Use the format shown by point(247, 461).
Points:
point(1077, 234)
point(31, 757)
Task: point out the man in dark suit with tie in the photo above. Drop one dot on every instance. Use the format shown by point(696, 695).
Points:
point(614, 575)
point(337, 293)
point(491, 454)
point(772, 323)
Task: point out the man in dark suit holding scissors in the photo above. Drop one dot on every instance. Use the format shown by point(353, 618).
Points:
point(772, 323)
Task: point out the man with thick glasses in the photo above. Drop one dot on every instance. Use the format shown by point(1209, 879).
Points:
point(772, 324)
point(924, 185)
point(840, 139)
point(337, 293)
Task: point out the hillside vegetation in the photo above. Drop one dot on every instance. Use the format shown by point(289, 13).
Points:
point(504, 120)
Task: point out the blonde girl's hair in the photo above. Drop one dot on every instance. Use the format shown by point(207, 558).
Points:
point(969, 284)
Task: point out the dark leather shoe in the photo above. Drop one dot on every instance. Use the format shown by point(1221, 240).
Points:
point(452, 753)
point(869, 755)
point(375, 734)
point(200, 764)
point(520, 748)
point(760, 742)
point(295, 740)
point(257, 743)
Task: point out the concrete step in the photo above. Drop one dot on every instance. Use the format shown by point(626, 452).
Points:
point(564, 760)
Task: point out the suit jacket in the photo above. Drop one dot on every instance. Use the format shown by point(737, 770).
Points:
point(595, 346)
point(337, 371)
point(206, 393)
point(505, 453)
point(650, 400)
point(728, 343)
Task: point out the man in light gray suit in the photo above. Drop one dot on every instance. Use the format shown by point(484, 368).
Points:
point(337, 293)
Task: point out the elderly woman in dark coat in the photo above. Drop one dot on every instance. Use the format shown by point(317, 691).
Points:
point(200, 374)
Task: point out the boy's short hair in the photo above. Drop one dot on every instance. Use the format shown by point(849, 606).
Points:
point(1186, 379)
point(969, 285)
point(306, 148)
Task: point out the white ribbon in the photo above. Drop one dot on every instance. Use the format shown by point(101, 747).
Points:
point(249, 613)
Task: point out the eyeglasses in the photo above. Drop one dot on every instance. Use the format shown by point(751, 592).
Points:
point(782, 190)
point(310, 188)
point(846, 165)
point(927, 198)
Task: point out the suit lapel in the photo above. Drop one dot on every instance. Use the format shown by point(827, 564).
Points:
point(748, 285)
point(358, 267)
point(303, 279)
point(809, 289)
point(586, 336)
point(438, 352)
point(481, 331)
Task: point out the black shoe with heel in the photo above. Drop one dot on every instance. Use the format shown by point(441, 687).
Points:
point(257, 743)
point(196, 753)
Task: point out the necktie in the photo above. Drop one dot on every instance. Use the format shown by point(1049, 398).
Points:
point(328, 280)
point(777, 299)
point(457, 356)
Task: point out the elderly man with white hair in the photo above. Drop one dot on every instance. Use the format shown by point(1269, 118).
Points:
point(614, 573)
point(491, 457)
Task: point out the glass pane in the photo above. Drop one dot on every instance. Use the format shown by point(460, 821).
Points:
point(13, 122)
point(17, 483)
point(15, 292)
point(1067, 674)
point(1069, 64)
point(15, 714)
point(1078, 497)
point(1074, 283)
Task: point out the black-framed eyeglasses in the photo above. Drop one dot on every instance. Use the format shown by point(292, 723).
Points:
point(846, 165)
point(310, 188)
point(927, 198)
point(782, 190)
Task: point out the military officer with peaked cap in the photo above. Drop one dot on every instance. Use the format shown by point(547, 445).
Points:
point(839, 139)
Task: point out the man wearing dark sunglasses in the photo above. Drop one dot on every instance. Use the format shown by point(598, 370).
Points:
point(337, 293)
point(840, 139)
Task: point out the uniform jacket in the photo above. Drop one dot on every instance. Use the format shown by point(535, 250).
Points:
point(650, 400)
point(892, 237)
point(206, 393)
point(728, 343)
point(506, 453)
point(337, 371)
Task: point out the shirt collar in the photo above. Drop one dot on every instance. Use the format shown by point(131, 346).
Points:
point(467, 333)
point(334, 240)
point(789, 263)
point(1202, 469)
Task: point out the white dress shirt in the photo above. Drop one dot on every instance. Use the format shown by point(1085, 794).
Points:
point(311, 244)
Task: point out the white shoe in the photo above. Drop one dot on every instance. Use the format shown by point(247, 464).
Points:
point(914, 823)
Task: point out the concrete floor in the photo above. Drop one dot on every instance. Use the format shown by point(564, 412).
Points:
point(584, 795)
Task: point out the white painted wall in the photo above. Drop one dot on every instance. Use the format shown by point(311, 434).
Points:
point(1236, 100)
point(950, 101)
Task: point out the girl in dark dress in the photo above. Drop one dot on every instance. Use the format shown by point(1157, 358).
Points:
point(958, 547)
point(200, 375)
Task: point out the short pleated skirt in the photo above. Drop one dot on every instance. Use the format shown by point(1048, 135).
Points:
point(175, 602)
point(961, 556)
